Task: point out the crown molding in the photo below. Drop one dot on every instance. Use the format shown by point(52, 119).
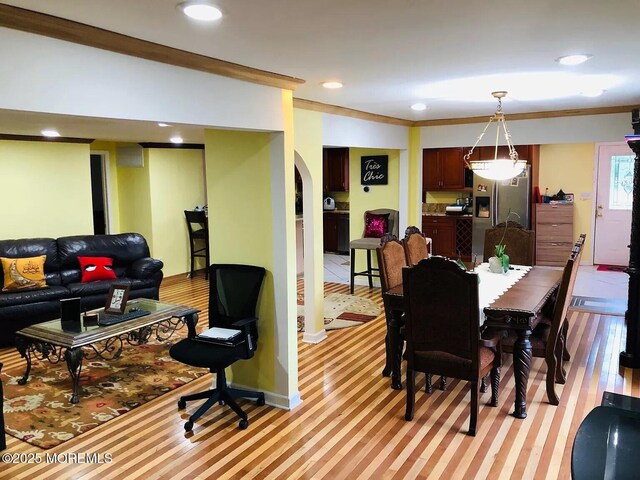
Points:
point(576, 112)
point(38, 138)
point(186, 146)
point(348, 112)
point(62, 29)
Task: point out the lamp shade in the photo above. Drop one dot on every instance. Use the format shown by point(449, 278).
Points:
point(498, 169)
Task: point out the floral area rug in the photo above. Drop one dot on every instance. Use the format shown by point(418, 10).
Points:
point(41, 413)
point(342, 311)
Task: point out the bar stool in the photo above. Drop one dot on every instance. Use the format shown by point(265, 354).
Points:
point(198, 226)
point(371, 243)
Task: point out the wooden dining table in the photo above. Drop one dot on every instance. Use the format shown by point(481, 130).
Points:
point(517, 308)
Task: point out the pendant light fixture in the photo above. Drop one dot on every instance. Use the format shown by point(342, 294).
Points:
point(497, 168)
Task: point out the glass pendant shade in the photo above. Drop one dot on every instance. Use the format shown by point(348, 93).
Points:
point(497, 168)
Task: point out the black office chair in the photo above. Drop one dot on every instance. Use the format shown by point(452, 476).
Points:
point(3, 440)
point(198, 227)
point(233, 296)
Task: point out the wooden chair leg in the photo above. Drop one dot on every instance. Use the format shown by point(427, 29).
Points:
point(353, 266)
point(411, 394)
point(551, 361)
point(560, 373)
point(443, 384)
point(483, 384)
point(428, 387)
point(495, 385)
point(566, 356)
point(369, 271)
point(474, 408)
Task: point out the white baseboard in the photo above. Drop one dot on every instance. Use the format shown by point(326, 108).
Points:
point(314, 337)
point(275, 399)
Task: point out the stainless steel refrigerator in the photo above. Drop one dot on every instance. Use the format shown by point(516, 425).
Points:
point(494, 199)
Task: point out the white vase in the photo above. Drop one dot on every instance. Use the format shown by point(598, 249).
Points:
point(495, 265)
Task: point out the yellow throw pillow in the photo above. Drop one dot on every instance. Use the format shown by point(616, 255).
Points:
point(23, 273)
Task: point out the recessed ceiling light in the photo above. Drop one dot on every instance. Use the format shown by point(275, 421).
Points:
point(332, 85)
point(595, 92)
point(574, 59)
point(50, 133)
point(160, 124)
point(200, 10)
point(418, 107)
point(176, 139)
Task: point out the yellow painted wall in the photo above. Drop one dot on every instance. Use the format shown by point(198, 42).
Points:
point(114, 197)
point(238, 166)
point(134, 193)
point(414, 209)
point(308, 145)
point(46, 189)
point(379, 196)
point(571, 168)
point(176, 183)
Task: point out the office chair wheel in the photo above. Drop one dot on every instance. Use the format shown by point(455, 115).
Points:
point(243, 424)
point(260, 401)
point(188, 426)
point(182, 404)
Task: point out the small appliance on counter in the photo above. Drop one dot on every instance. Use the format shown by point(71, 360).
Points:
point(455, 209)
point(329, 203)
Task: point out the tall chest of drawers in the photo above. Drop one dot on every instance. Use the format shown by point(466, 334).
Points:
point(554, 233)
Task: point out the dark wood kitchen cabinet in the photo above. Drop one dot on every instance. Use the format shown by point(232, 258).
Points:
point(443, 169)
point(451, 236)
point(330, 232)
point(335, 169)
point(442, 231)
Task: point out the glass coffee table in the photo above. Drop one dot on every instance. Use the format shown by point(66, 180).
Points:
point(72, 342)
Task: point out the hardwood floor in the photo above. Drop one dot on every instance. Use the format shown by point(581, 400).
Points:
point(351, 424)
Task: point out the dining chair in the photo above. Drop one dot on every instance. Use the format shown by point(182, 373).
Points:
point(519, 242)
point(198, 228)
point(442, 330)
point(549, 337)
point(391, 261)
point(416, 245)
point(376, 224)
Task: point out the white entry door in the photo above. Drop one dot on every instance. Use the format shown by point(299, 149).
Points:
point(614, 196)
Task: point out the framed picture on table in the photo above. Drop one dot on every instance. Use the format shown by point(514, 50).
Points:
point(117, 298)
point(568, 197)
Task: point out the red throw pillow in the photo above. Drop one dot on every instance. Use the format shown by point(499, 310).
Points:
point(96, 268)
point(376, 225)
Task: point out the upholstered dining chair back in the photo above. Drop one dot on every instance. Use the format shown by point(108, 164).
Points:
point(391, 260)
point(520, 243)
point(416, 245)
point(442, 330)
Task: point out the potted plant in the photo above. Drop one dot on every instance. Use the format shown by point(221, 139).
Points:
point(500, 262)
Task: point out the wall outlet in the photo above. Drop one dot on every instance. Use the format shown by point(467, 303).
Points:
point(585, 195)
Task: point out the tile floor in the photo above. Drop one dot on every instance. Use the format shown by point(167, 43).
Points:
point(590, 282)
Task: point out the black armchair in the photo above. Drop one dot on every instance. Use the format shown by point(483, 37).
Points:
point(233, 296)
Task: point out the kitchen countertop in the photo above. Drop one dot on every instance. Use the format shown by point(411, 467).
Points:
point(466, 215)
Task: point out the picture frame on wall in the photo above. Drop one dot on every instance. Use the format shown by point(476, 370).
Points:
point(117, 298)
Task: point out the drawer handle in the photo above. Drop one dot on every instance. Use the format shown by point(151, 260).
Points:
point(555, 244)
point(554, 224)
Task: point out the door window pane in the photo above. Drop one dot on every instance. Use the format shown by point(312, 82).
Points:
point(621, 187)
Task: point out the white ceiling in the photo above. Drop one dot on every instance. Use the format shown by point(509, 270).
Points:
point(392, 53)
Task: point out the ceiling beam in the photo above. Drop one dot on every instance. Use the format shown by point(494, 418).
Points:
point(62, 29)
point(348, 112)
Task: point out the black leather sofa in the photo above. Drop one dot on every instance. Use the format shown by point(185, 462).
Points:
point(131, 261)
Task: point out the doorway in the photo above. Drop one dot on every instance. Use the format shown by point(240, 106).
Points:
point(99, 194)
point(614, 195)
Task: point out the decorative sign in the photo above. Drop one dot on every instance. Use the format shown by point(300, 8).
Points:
point(374, 170)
